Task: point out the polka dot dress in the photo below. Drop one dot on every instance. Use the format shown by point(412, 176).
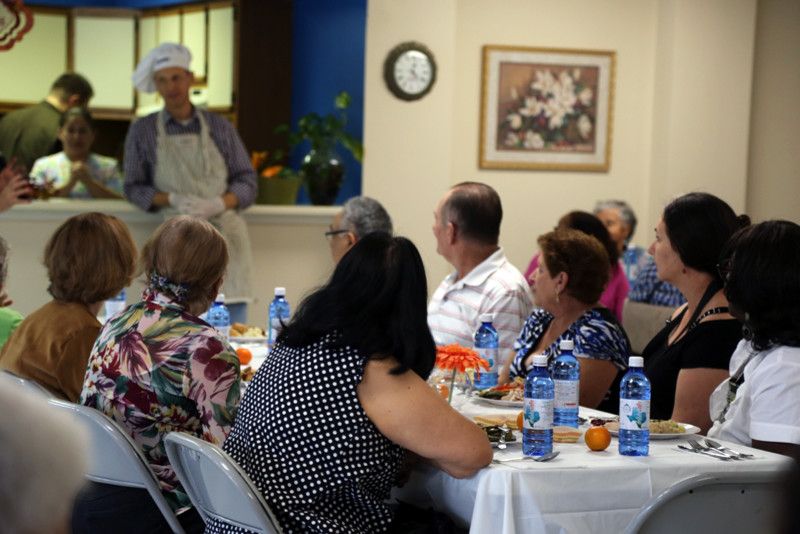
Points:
point(304, 439)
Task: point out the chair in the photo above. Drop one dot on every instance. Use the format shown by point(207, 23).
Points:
point(116, 459)
point(28, 384)
point(642, 322)
point(217, 486)
point(733, 502)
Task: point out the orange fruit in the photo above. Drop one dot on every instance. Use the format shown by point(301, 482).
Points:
point(520, 420)
point(244, 355)
point(597, 438)
point(443, 390)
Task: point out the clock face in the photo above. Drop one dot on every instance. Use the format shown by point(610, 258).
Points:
point(409, 71)
point(413, 72)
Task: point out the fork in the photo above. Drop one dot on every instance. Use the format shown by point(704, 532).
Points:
point(699, 447)
point(707, 452)
point(736, 454)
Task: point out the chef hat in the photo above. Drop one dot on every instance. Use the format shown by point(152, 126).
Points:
point(161, 57)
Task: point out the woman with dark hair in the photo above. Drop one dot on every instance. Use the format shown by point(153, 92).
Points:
point(76, 171)
point(689, 356)
point(157, 368)
point(330, 416)
point(757, 406)
point(89, 259)
point(616, 289)
point(566, 288)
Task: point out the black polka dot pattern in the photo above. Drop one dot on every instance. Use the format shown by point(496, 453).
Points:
point(304, 439)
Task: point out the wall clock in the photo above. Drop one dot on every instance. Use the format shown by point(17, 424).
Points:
point(409, 71)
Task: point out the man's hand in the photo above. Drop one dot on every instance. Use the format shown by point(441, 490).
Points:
point(4, 300)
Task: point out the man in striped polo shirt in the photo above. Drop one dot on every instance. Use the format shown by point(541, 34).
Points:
point(467, 226)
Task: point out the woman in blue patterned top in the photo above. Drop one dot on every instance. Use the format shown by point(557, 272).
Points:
point(566, 289)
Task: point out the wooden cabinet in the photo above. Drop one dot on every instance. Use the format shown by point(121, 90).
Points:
point(103, 51)
point(31, 66)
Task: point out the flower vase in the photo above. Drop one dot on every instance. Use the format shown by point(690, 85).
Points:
point(322, 172)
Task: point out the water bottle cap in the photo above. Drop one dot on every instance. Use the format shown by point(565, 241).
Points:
point(635, 361)
point(220, 298)
point(566, 344)
point(280, 291)
point(540, 360)
point(487, 318)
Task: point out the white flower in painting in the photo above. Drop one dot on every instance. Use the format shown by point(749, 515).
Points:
point(544, 81)
point(511, 139)
point(584, 126)
point(514, 94)
point(586, 96)
point(532, 107)
point(515, 121)
point(576, 73)
point(533, 140)
point(565, 80)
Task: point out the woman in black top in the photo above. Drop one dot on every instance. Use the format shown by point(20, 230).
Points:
point(689, 357)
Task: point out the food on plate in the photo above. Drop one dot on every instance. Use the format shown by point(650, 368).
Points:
point(657, 426)
point(444, 390)
point(597, 437)
point(244, 355)
point(243, 330)
point(512, 391)
point(247, 374)
point(520, 420)
point(494, 433)
point(565, 434)
point(509, 421)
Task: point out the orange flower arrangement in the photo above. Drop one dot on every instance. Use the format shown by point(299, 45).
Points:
point(264, 167)
point(459, 359)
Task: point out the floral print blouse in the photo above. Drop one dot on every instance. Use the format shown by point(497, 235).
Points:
point(154, 369)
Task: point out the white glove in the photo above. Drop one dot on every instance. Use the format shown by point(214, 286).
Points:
point(180, 202)
point(204, 208)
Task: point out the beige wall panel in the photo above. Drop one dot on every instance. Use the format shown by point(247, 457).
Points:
point(169, 28)
point(220, 57)
point(104, 53)
point(148, 39)
point(773, 187)
point(194, 38)
point(44, 46)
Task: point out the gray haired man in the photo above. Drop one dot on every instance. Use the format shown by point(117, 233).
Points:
point(359, 217)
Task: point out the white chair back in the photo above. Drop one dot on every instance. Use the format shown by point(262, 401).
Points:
point(725, 502)
point(217, 486)
point(642, 322)
point(28, 384)
point(115, 458)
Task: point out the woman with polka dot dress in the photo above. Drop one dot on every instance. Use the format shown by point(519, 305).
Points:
point(341, 401)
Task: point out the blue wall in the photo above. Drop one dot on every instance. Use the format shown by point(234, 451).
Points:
point(327, 58)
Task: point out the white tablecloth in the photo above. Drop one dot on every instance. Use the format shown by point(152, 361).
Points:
point(579, 491)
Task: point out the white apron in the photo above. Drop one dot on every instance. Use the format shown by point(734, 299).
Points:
point(190, 164)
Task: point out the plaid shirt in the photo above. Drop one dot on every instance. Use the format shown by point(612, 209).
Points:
point(140, 157)
point(649, 289)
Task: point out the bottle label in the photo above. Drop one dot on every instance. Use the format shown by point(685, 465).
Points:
point(225, 331)
point(538, 414)
point(634, 414)
point(490, 355)
point(566, 394)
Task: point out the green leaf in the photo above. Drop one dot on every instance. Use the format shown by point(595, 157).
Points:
point(342, 100)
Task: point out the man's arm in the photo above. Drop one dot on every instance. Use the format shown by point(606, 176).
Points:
point(242, 180)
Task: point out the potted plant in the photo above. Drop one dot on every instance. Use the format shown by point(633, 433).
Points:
point(322, 170)
point(277, 184)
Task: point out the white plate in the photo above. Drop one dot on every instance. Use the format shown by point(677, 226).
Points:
point(248, 340)
point(690, 429)
point(498, 402)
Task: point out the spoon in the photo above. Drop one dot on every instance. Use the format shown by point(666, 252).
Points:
point(546, 457)
point(714, 445)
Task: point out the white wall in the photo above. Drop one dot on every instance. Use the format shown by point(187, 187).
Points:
point(773, 187)
point(680, 121)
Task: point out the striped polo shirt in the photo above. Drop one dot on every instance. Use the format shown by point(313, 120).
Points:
point(494, 286)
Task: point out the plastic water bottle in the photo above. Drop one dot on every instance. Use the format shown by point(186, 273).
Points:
point(486, 345)
point(566, 378)
point(634, 410)
point(630, 260)
point(115, 305)
point(537, 433)
point(219, 317)
point(278, 312)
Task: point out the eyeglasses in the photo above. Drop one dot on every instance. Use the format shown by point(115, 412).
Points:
point(330, 233)
point(725, 269)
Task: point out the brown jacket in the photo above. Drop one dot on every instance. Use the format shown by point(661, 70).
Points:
point(52, 346)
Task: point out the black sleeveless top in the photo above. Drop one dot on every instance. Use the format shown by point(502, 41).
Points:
point(707, 345)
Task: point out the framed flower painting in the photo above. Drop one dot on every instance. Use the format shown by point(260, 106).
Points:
point(546, 108)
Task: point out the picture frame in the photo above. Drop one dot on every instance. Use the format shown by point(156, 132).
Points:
point(546, 108)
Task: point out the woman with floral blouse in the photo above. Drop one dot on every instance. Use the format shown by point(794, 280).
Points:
point(157, 368)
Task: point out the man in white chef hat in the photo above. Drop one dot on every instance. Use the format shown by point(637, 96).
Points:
point(187, 160)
